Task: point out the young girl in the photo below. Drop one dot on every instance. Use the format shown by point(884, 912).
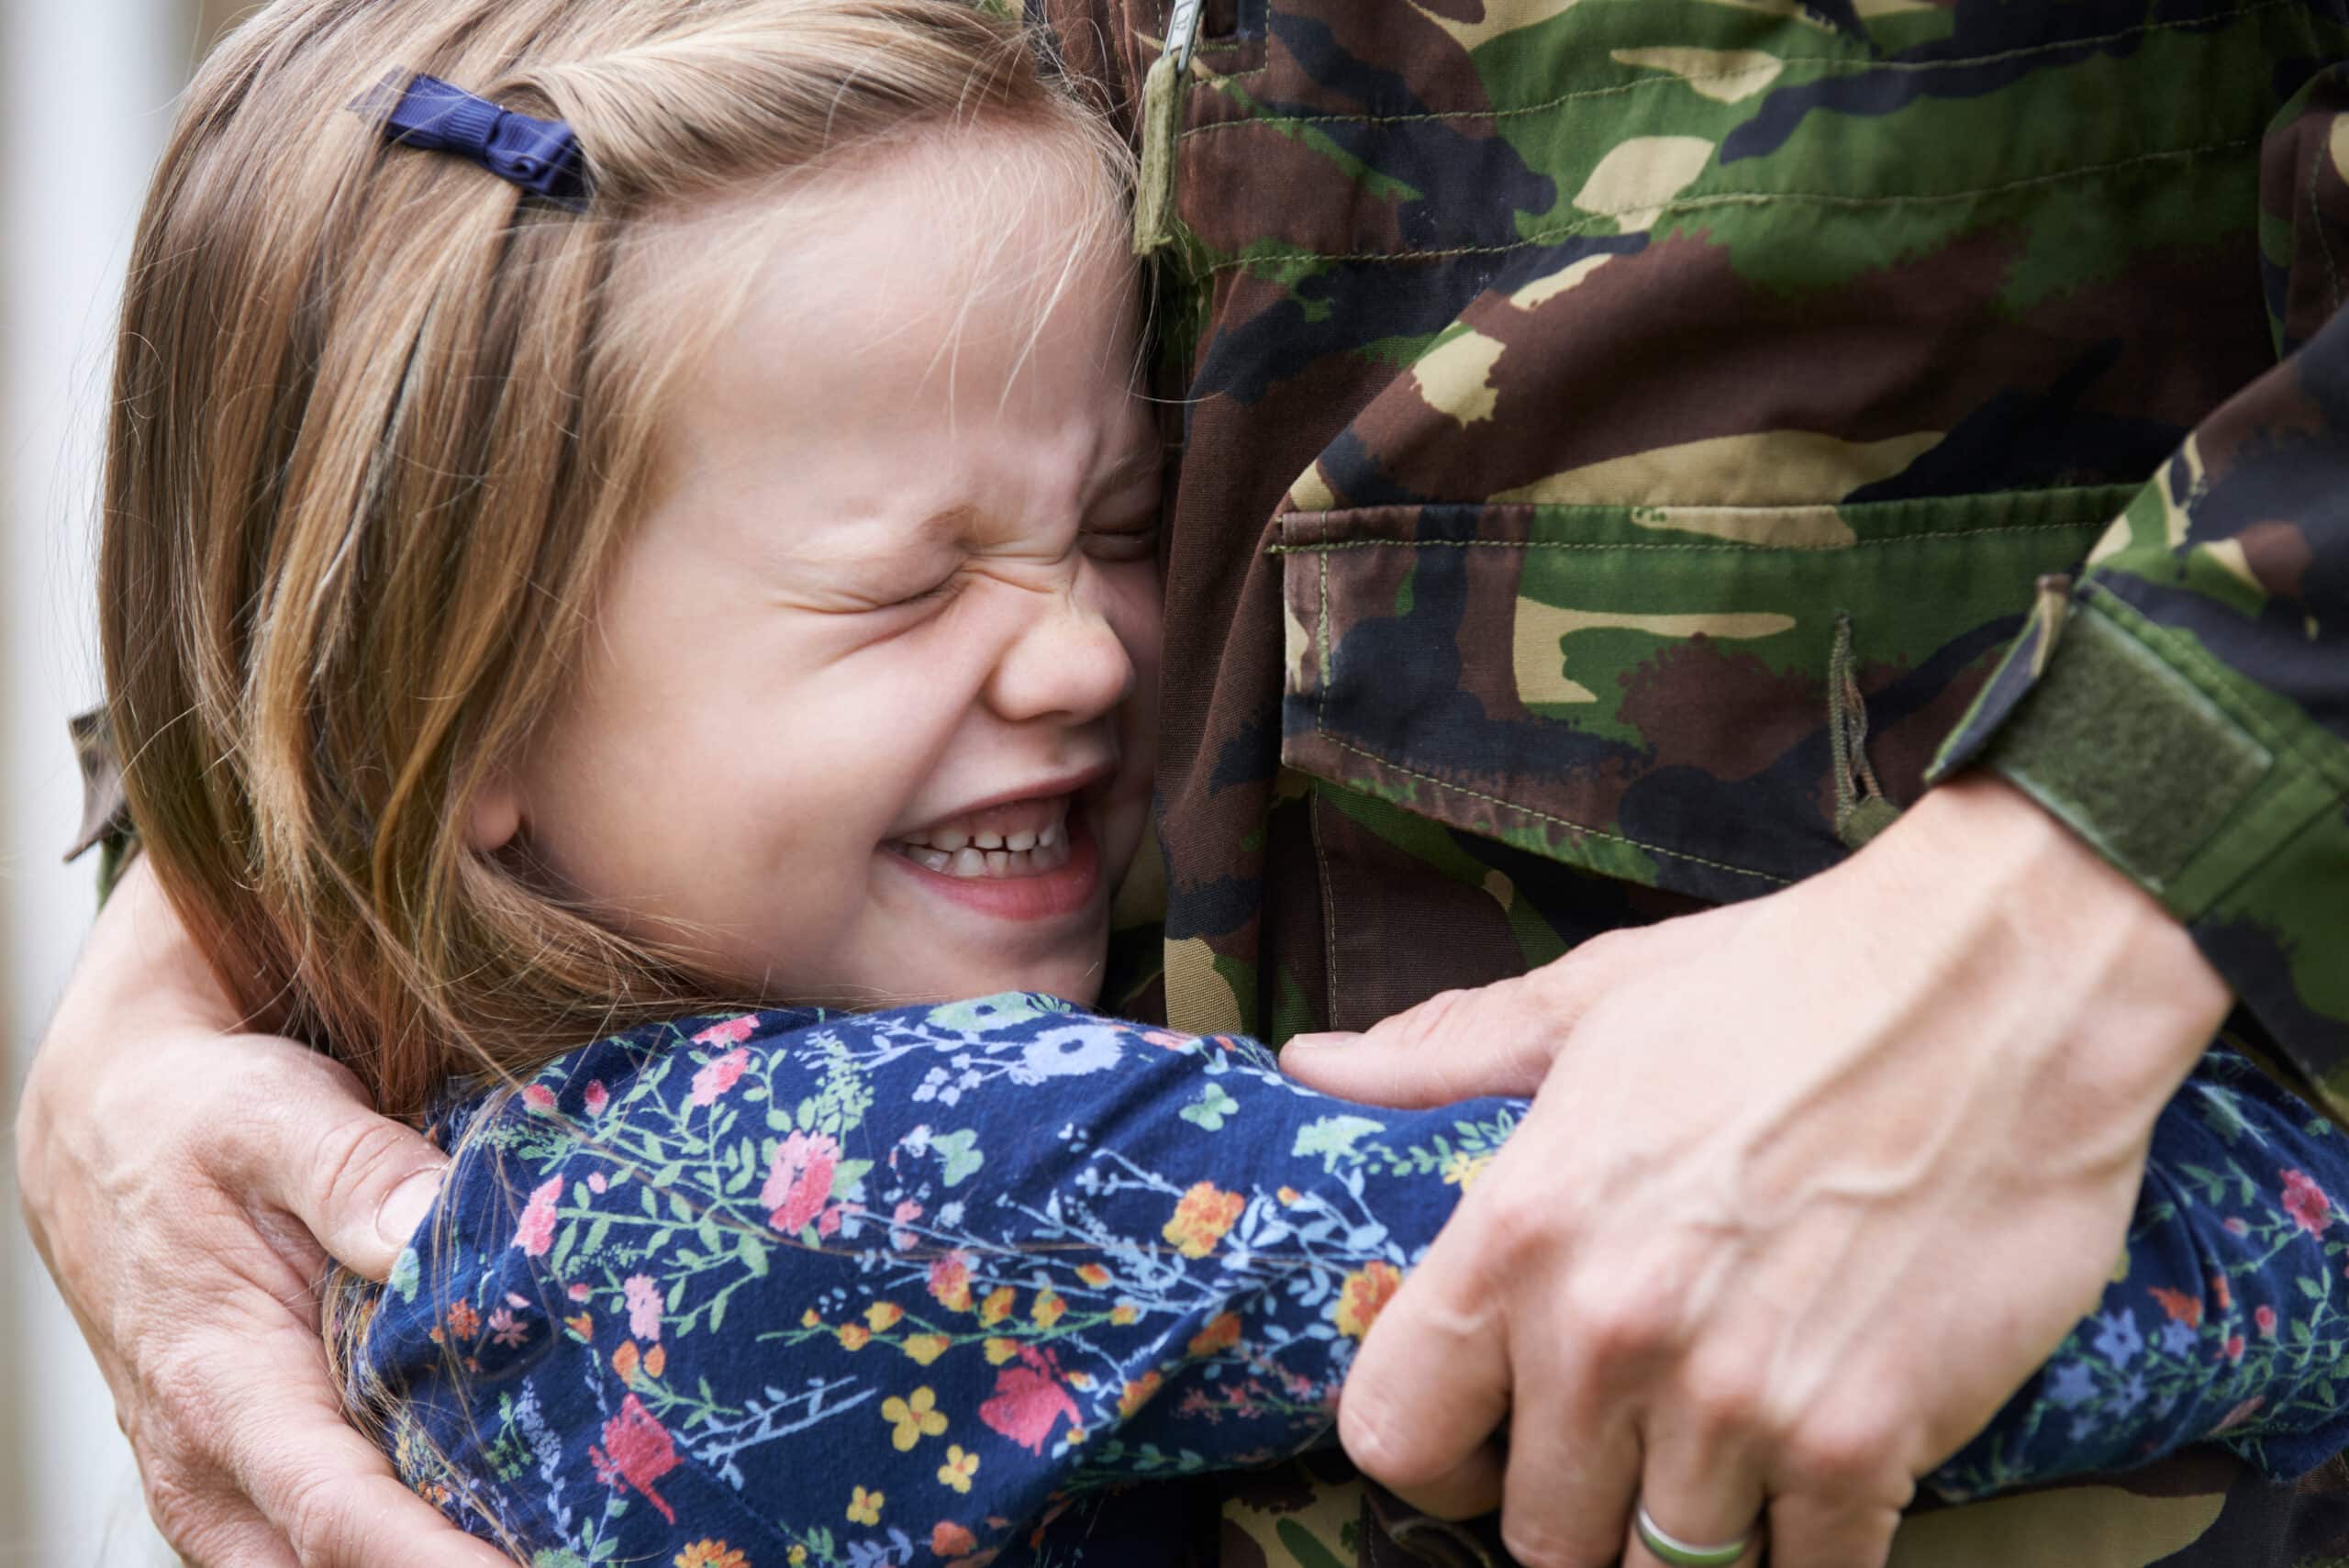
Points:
point(657, 538)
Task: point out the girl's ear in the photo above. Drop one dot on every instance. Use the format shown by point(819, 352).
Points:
point(496, 815)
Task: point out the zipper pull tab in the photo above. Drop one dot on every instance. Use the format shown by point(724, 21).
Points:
point(1162, 119)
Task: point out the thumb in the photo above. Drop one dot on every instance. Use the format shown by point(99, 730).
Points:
point(1495, 1041)
point(360, 1183)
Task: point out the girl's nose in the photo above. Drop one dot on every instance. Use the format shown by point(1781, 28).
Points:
point(1067, 662)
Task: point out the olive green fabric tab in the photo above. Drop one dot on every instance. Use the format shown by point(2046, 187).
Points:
point(2128, 751)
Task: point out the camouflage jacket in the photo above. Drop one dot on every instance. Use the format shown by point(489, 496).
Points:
point(1631, 447)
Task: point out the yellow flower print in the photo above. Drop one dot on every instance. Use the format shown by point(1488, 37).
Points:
point(855, 1336)
point(1124, 1313)
point(1461, 1169)
point(883, 1315)
point(916, 1418)
point(1001, 1350)
point(1221, 1333)
point(1138, 1394)
point(1094, 1274)
point(798, 1555)
point(925, 1348)
point(996, 1307)
point(1048, 1307)
point(865, 1508)
point(711, 1554)
point(1364, 1295)
point(960, 1466)
point(1202, 1217)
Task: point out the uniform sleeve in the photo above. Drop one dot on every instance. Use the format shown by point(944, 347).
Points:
point(2184, 704)
point(2223, 1321)
point(831, 1287)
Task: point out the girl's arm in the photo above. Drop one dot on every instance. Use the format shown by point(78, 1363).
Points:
point(819, 1288)
point(833, 1286)
point(2224, 1318)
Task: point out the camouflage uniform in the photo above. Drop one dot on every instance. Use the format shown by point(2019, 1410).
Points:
point(1633, 446)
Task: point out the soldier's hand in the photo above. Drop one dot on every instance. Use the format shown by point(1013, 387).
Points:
point(1809, 1187)
point(174, 1177)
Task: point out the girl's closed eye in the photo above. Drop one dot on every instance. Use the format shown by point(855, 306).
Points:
point(1130, 539)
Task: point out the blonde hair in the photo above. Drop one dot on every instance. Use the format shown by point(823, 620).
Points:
point(380, 420)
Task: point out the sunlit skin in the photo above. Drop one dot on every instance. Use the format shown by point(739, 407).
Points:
point(898, 587)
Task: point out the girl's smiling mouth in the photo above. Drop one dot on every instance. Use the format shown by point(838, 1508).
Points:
point(1028, 859)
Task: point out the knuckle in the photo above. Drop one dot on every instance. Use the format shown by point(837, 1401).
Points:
point(1614, 1319)
point(349, 1154)
point(1380, 1442)
point(1844, 1454)
point(315, 1515)
point(1521, 1222)
point(189, 1516)
point(1539, 1543)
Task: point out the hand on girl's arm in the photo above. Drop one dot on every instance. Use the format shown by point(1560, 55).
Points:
point(1810, 1185)
point(174, 1176)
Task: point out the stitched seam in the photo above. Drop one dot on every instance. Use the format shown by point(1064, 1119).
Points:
point(1321, 642)
point(1546, 816)
point(1779, 62)
point(1731, 198)
point(1722, 549)
point(1313, 806)
point(1321, 860)
point(2323, 241)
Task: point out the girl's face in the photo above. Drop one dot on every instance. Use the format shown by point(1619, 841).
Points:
point(865, 714)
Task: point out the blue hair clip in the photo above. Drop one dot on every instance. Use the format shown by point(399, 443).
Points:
point(540, 156)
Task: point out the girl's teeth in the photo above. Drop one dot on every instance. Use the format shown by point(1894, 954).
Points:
point(1050, 836)
point(987, 841)
point(949, 842)
point(1050, 853)
point(1020, 843)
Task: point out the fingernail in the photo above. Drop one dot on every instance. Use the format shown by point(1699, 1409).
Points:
point(406, 1208)
point(1317, 1042)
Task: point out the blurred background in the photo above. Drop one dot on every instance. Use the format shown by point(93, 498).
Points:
point(86, 93)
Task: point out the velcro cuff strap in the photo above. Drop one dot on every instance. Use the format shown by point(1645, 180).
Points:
point(2128, 751)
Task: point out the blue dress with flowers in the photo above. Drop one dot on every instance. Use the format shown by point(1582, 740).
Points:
point(940, 1284)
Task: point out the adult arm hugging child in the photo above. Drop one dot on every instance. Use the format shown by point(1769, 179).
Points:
point(630, 601)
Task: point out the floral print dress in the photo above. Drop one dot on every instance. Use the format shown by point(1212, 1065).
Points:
point(932, 1286)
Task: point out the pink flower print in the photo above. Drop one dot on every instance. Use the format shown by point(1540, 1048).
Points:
point(535, 1234)
point(715, 1077)
point(828, 1222)
point(2263, 1317)
point(800, 1180)
point(540, 1098)
point(579, 1292)
point(506, 1328)
point(733, 1031)
point(637, 1449)
point(906, 1213)
point(1030, 1401)
point(2236, 1225)
point(597, 1097)
point(597, 1185)
point(643, 1306)
point(2306, 1202)
point(2232, 1349)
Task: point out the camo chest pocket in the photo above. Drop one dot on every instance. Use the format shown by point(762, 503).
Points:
point(1715, 701)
